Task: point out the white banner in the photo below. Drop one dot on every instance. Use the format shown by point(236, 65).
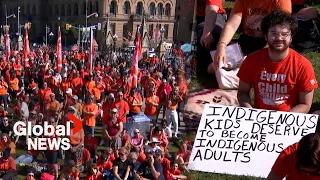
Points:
point(243, 141)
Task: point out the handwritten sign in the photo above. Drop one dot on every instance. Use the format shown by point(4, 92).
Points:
point(243, 141)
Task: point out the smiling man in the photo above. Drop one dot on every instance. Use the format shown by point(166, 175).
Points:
point(282, 79)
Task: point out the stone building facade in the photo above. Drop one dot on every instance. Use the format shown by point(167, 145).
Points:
point(124, 17)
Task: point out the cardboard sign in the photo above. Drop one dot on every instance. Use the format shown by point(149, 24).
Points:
point(244, 141)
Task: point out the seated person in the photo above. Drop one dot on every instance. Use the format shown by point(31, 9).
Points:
point(299, 160)
point(125, 138)
point(252, 33)
point(153, 145)
point(183, 156)
point(208, 31)
point(151, 168)
point(133, 156)
point(295, 82)
point(93, 173)
point(137, 141)
point(158, 133)
point(6, 142)
point(105, 160)
point(70, 171)
point(122, 165)
point(175, 172)
point(7, 165)
point(6, 127)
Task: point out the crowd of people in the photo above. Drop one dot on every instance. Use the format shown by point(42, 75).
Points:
point(105, 100)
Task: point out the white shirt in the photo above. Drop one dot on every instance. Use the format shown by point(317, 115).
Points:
point(24, 110)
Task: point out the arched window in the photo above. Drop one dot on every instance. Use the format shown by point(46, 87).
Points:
point(90, 8)
point(97, 7)
point(75, 9)
point(56, 10)
point(34, 10)
point(63, 10)
point(113, 7)
point(152, 9)
point(127, 8)
point(69, 11)
point(160, 9)
point(139, 9)
point(168, 10)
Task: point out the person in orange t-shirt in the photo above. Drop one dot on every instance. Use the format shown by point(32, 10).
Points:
point(13, 86)
point(96, 91)
point(76, 84)
point(152, 103)
point(251, 12)
point(282, 79)
point(89, 114)
point(298, 161)
point(7, 165)
point(135, 102)
point(65, 84)
point(90, 85)
point(3, 92)
point(122, 107)
point(44, 96)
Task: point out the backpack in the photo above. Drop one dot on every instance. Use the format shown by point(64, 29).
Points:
point(307, 37)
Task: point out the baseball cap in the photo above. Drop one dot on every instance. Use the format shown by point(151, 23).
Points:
point(69, 91)
point(136, 130)
point(115, 110)
point(158, 152)
point(75, 97)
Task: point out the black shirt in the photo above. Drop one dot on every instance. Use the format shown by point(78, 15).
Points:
point(5, 129)
point(122, 166)
point(146, 172)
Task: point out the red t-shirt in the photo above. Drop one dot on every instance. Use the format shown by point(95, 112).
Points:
point(201, 6)
point(285, 165)
point(277, 84)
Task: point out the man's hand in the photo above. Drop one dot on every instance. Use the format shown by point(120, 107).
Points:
point(206, 40)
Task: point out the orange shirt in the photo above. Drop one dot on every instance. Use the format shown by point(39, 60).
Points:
point(90, 85)
point(14, 84)
point(277, 84)
point(6, 165)
point(150, 109)
point(76, 138)
point(122, 107)
point(3, 88)
point(253, 11)
point(77, 84)
point(90, 120)
point(64, 86)
point(97, 93)
point(135, 100)
point(173, 106)
point(45, 95)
